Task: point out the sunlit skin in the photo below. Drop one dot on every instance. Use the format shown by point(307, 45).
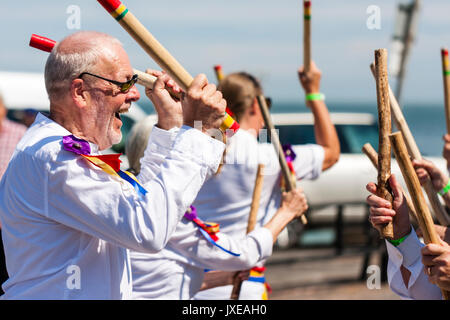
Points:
point(91, 108)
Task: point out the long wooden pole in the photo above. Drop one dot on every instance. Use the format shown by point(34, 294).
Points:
point(307, 35)
point(402, 125)
point(290, 185)
point(384, 125)
point(251, 221)
point(156, 51)
point(424, 217)
point(144, 79)
point(372, 154)
point(446, 79)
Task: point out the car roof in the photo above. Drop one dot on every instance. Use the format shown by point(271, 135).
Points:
point(26, 90)
point(338, 118)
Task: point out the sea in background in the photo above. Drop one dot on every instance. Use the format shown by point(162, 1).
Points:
point(426, 122)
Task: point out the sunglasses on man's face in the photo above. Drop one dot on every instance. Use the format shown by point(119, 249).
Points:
point(123, 86)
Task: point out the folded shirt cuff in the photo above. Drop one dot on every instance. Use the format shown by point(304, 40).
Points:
point(199, 147)
point(406, 253)
point(264, 238)
point(163, 138)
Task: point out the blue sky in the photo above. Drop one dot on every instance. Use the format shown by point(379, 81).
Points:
point(259, 36)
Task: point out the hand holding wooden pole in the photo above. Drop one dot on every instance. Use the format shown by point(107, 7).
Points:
point(372, 154)
point(307, 35)
point(424, 217)
point(251, 221)
point(290, 185)
point(402, 125)
point(157, 52)
point(384, 125)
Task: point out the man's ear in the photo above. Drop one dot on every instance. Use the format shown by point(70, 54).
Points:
point(78, 94)
point(254, 108)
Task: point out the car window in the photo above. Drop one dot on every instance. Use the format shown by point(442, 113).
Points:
point(351, 137)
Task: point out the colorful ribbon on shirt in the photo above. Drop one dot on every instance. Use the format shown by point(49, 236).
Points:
point(290, 156)
point(109, 163)
point(208, 230)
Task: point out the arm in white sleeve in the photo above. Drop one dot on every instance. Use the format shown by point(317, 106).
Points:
point(188, 242)
point(408, 254)
point(159, 145)
point(86, 198)
point(309, 161)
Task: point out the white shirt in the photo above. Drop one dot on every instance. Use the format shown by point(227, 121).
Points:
point(226, 198)
point(67, 225)
point(177, 271)
point(408, 254)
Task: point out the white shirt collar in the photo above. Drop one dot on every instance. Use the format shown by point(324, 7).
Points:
point(43, 121)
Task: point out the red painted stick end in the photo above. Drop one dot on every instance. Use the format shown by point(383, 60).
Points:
point(42, 43)
point(110, 5)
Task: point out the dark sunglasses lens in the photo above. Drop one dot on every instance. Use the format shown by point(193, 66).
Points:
point(269, 102)
point(126, 86)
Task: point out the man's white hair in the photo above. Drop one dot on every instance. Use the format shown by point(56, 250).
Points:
point(77, 53)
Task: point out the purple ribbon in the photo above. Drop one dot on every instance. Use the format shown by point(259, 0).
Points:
point(289, 152)
point(76, 145)
point(191, 213)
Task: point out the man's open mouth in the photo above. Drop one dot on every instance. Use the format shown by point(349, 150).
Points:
point(118, 113)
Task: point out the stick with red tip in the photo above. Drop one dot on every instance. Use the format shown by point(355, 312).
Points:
point(307, 35)
point(158, 53)
point(144, 79)
point(219, 72)
point(446, 75)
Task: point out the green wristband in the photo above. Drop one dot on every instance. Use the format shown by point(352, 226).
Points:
point(315, 96)
point(445, 189)
point(396, 242)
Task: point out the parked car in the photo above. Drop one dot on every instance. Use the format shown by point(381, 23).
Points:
point(24, 94)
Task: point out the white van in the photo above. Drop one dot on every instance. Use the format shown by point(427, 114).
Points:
point(24, 92)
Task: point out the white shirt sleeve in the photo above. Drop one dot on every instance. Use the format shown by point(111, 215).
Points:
point(309, 161)
point(408, 254)
point(159, 144)
point(84, 197)
point(189, 243)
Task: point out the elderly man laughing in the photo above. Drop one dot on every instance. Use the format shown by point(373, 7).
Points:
point(69, 215)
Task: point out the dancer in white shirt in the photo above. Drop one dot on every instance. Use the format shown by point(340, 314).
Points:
point(226, 198)
point(68, 216)
point(415, 271)
point(177, 272)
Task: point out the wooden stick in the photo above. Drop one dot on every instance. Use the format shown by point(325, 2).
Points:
point(446, 78)
point(290, 185)
point(219, 73)
point(424, 217)
point(156, 51)
point(251, 222)
point(144, 79)
point(372, 154)
point(307, 35)
point(384, 124)
point(402, 125)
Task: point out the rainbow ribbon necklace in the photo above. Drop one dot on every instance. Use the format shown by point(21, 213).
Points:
point(110, 163)
point(208, 229)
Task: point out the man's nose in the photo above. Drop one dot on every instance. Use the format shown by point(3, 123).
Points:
point(133, 94)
